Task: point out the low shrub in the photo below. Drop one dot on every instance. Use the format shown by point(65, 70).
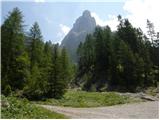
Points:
point(23, 109)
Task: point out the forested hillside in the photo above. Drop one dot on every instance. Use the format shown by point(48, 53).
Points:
point(124, 60)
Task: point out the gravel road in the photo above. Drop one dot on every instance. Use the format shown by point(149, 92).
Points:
point(141, 110)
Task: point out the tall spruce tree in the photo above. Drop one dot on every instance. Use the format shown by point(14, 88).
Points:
point(54, 81)
point(36, 45)
point(15, 61)
point(36, 85)
point(154, 38)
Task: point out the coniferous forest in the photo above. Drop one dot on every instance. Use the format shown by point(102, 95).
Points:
point(125, 60)
point(40, 69)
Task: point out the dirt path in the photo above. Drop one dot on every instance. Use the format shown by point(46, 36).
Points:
point(136, 110)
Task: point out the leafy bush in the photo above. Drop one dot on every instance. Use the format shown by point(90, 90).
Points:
point(23, 109)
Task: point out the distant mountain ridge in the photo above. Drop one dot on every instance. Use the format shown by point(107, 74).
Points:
point(84, 25)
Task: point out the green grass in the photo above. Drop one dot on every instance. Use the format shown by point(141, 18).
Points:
point(89, 99)
point(23, 109)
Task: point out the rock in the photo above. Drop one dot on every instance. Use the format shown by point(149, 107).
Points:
point(149, 98)
point(84, 25)
point(141, 95)
point(4, 103)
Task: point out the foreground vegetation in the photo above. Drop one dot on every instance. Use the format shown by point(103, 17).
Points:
point(89, 99)
point(15, 108)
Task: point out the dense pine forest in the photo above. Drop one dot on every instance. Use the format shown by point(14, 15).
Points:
point(125, 60)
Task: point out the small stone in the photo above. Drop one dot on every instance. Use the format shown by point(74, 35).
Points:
point(4, 103)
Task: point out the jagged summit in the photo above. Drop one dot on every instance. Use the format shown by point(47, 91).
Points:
point(85, 22)
point(84, 25)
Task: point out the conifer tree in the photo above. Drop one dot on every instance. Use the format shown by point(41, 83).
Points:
point(15, 61)
point(36, 85)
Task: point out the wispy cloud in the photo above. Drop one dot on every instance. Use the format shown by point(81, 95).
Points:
point(63, 32)
point(111, 21)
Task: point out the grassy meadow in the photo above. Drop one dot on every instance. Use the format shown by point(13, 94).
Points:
point(89, 99)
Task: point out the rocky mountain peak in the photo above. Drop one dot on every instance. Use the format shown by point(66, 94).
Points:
point(84, 25)
point(86, 13)
point(85, 22)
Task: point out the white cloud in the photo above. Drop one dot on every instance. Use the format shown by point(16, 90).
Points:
point(63, 32)
point(99, 21)
point(138, 13)
point(141, 10)
point(112, 21)
point(39, 1)
point(65, 29)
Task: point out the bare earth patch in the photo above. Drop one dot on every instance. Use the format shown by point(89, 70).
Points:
point(143, 110)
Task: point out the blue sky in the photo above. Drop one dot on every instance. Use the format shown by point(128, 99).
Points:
point(57, 18)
